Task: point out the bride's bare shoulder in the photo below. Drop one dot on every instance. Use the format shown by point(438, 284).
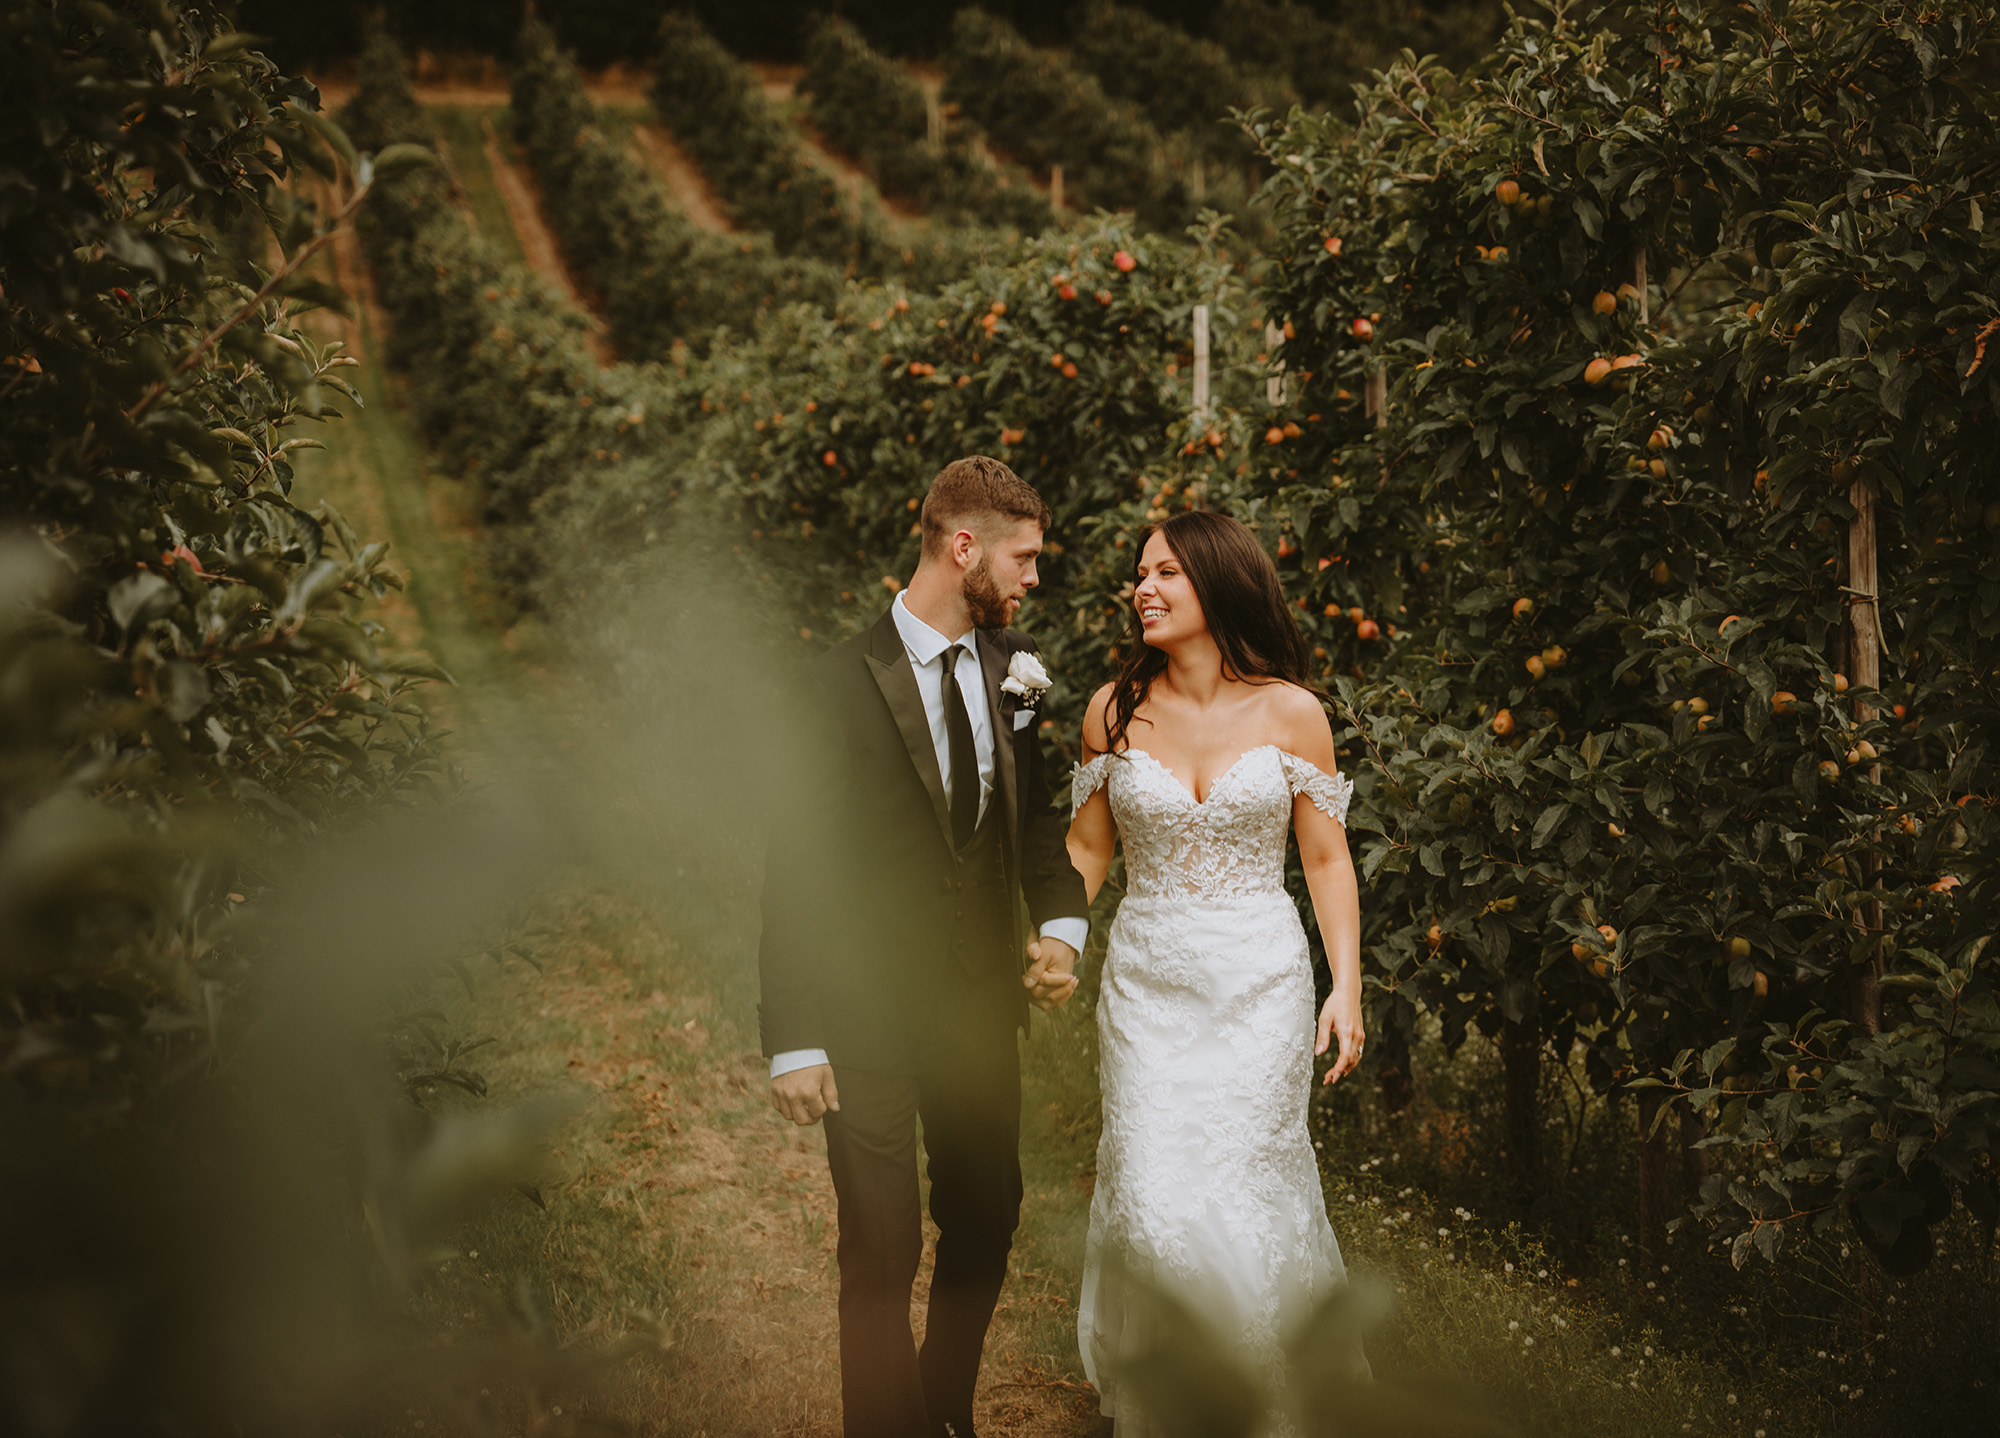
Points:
point(1097, 720)
point(1298, 717)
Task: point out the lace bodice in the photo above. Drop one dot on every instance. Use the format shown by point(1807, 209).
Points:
point(1229, 845)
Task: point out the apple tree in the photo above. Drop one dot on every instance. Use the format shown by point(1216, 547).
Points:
point(1605, 450)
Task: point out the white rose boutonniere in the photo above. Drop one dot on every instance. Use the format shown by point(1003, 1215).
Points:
point(1026, 679)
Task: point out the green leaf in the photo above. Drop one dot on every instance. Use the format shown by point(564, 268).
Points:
point(138, 599)
point(400, 159)
point(330, 131)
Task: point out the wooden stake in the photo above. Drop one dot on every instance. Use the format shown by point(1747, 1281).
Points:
point(1055, 187)
point(933, 120)
point(1375, 399)
point(1198, 179)
point(1274, 386)
point(1639, 281)
point(1200, 363)
point(1864, 627)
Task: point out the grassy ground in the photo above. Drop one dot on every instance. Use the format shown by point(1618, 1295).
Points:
point(1819, 1343)
point(463, 130)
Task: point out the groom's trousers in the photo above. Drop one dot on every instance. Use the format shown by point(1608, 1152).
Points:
point(965, 1087)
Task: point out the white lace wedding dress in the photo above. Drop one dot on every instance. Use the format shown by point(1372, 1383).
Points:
point(1206, 1181)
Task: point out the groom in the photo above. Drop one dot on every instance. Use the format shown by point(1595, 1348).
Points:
point(915, 823)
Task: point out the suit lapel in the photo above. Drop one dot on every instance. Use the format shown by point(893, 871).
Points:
point(993, 664)
point(889, 663)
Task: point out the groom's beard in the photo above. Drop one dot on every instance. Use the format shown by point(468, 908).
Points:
point(983, 599)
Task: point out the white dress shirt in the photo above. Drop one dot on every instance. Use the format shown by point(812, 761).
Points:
point(926, 648)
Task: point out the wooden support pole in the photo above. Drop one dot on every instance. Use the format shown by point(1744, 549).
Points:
point(933, 119)
point(1864, 648)
point(1055, 187)
point(1639, 281)
point(1198, 179)
point(1274, 384)
point(1375, 400)
point(1201, 364)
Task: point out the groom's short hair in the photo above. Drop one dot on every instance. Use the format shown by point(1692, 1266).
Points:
point(973, 489)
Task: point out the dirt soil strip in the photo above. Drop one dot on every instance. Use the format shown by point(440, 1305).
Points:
point(684, 182)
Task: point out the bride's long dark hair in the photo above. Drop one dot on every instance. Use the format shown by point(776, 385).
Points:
point(1237, 585)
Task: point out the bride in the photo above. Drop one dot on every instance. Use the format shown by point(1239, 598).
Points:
point(1200, 755)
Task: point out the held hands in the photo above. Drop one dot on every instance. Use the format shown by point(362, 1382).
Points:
point(804, 1094)
point(1341, 1015)
point(1051, 976)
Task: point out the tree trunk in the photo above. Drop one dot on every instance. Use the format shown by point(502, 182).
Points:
point(1653, 1201)
point(1694, 1161)
point(1393, 1072)
point(1521, 1068)
point(1864, 626)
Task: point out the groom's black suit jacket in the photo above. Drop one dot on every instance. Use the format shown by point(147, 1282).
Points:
point(866, 910)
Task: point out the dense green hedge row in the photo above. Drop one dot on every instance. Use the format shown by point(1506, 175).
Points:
point(769, 180)
point(190, 683)
point(503, 381)
point(1044, 111)
point(875, 110)
point(657, 277)
point(1184, 85)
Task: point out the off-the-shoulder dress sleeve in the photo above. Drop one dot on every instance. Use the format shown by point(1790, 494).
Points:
point(1329, 792)
point(1089, 779)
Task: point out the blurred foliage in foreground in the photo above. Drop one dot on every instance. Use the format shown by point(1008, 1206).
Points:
point(1193, 1382)
point(220, 1116)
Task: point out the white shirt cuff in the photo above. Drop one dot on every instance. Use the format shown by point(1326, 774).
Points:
point(1074, 932)
point(791, 1059)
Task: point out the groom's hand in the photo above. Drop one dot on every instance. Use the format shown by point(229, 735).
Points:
point(1051, 976)
point(804, 1094)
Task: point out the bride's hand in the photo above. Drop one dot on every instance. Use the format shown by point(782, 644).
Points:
point(1341, 1015)
point(1051, 976)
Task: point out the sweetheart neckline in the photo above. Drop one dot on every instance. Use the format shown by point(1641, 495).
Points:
point(1234, 765)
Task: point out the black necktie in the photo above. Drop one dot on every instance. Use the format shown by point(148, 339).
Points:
point(964, 758)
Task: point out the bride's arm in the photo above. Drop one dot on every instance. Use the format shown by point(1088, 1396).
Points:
point(1093, 833)
point(1336, 896)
